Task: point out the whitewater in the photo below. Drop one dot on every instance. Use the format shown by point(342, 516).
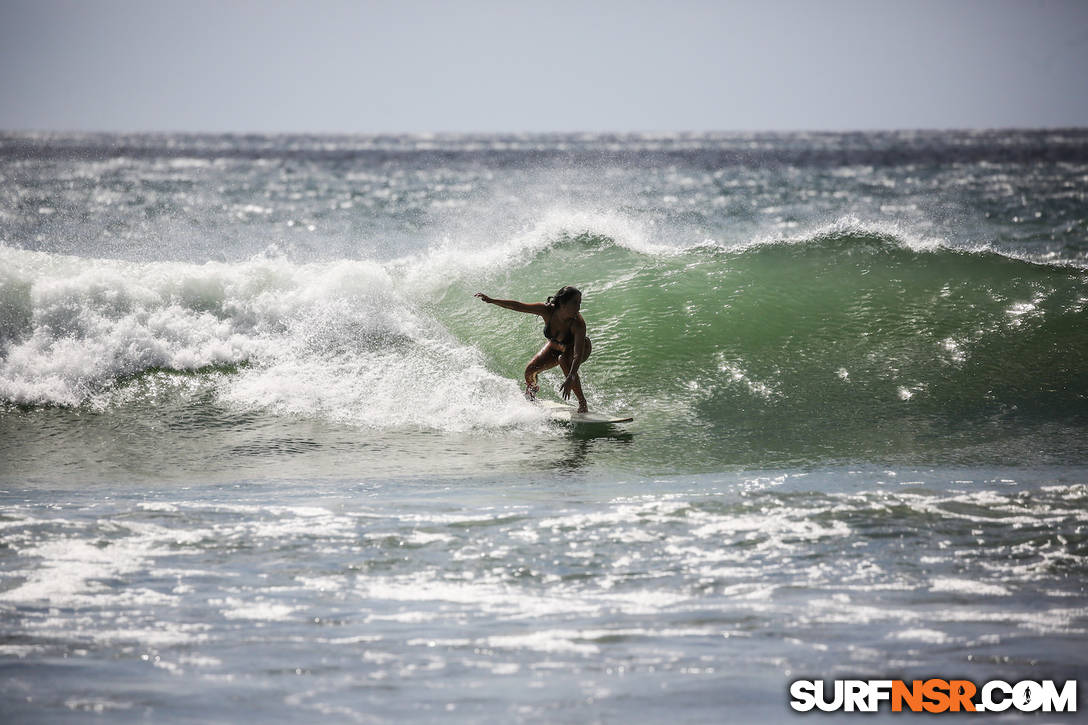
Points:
point(263, 455)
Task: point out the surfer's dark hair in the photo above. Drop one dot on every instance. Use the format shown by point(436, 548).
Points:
point(562, 296)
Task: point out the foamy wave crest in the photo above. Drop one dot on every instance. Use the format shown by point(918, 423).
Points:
point(478, 254)
point(331, 339)
point(70, 326)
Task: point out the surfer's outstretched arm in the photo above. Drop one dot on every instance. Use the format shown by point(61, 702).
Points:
point(532, 308)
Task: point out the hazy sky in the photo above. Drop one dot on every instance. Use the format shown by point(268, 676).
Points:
point(476, 65)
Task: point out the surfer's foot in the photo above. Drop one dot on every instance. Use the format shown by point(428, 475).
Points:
point(583, 408)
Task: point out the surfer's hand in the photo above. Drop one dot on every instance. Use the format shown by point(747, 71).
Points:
point(564, 389)
point(483, 297)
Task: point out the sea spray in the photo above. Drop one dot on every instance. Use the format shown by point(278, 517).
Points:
point(332, 340)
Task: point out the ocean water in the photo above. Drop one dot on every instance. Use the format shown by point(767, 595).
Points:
point(264, 458)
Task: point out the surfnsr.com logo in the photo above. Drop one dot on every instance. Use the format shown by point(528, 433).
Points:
point(933, 695)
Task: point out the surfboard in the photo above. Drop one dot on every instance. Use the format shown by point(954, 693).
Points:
point(564, 412)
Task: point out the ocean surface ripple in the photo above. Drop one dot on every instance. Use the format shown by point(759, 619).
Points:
point(263, 457)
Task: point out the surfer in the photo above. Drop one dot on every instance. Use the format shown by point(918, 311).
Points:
point(567, 346)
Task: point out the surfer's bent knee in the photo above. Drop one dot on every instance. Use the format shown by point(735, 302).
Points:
point(568, 353)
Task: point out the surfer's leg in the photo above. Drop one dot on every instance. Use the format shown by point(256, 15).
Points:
point(546, 359)
point(583, 406)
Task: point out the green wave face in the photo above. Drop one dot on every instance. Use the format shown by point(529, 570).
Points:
point(848, 345)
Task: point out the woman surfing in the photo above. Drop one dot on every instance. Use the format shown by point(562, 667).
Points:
point(567, 346)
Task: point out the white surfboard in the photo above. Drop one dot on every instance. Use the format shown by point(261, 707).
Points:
point(564, 412)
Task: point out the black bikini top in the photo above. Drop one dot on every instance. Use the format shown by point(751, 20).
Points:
point(565, 341)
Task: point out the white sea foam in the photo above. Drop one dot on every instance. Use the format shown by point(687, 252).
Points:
point(71, 569)
point(849, 225)
point(234, 608)
point(338, 340)
point(967, 586)
point(97, 706)
point(550, 641)
point(929, 636)
point(75, 325)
